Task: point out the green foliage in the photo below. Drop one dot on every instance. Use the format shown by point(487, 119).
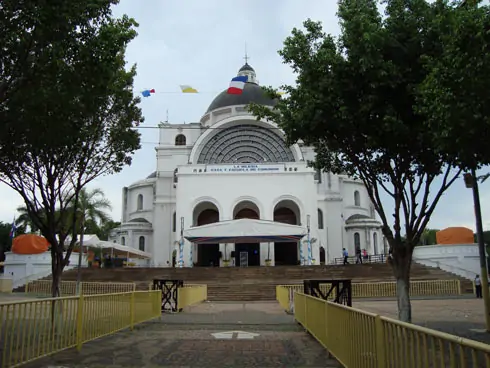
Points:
point(455, 95)
point(355, 103)
point(428, 237)
point(66, 105)
point(5, 241)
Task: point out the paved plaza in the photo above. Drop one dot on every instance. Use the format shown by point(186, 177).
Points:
point(458, 316)
point(207, 335)
point(248, 335)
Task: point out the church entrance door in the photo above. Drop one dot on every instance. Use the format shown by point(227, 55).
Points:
point(207, 213)
point(253, 252)
point(286, 254)
point(208, 255)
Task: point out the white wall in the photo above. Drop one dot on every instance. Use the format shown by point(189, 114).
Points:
point(22, 268)
point(146, 190)
point(226, 190)
point(460, 259)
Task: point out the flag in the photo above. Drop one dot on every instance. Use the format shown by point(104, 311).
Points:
point(187, 89)
point(12, 230)
point(147, 92)
point(237, 85)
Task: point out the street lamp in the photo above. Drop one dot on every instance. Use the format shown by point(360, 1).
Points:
point(471, 181)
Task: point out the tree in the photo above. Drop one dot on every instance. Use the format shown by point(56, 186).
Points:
point(67, 108)
point(25, 220)
point(455, 94)
point(5, 240)
point(355, 103)
point(428, 237)
point(104, 231)
point(91, 206)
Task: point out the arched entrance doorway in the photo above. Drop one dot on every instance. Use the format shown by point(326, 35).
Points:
point(246, 254)
point(207, 254)
point(322, 255)
point(286, 253)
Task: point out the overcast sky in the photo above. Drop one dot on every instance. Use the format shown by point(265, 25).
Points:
point(202, 43)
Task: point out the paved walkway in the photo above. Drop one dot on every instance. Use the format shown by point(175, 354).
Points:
point(458, 316)
point(207, 335)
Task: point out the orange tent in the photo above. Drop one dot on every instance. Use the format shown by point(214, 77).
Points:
point(29, 244)
point(455, 235)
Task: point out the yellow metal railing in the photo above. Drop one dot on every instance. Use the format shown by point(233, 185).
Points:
point(32, 329)
point(68, 288)
point(359, 339)
point(191, 294)
point(388, 289)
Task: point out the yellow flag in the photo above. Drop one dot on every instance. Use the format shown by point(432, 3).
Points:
point(187, 89)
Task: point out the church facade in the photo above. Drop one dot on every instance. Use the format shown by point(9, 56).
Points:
point(230, 166)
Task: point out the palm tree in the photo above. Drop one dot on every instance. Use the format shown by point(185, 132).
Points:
point(91, 208)
point(25, 220)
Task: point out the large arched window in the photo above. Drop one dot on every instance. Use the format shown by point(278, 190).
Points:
point(174, 222)
point(357, 198)
point(375, 243)
point(180, 140)
point(320, 219)
point(245, 143)
point(357, 241)
point(139, 204)
point(141, 243)
point(123, 240)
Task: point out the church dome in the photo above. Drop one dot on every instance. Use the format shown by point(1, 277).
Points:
point(252, 93)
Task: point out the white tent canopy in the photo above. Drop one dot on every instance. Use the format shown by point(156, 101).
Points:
point(245, 231)
point(93, 241)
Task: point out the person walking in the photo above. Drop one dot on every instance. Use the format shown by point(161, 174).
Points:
point(478, 287)
point(345, 254)
point(358, 256)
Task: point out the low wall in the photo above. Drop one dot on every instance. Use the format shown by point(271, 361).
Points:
point(461, 259)
point(22, 268)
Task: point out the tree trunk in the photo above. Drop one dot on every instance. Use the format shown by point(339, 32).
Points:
point(403, 298)
point(56, 271)
point(401, 262)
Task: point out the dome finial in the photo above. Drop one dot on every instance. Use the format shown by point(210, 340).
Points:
point(246, 55)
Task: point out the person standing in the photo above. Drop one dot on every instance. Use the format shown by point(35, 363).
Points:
point(345, 254)
point(358, 256)
point(478, 287)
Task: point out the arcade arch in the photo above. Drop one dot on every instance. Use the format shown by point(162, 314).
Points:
point(246, 209)
point(206, 213)
point(286, 253)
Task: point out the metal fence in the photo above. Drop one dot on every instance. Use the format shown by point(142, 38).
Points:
point(68, 288)
point(359, 339)
point(33, 329)
point(285, 293)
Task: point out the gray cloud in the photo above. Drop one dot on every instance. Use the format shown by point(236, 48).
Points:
point(202, 43)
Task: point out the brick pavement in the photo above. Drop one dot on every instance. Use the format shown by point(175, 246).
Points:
point(186, 340)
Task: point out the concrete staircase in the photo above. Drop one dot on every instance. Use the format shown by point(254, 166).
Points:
point(257, 283)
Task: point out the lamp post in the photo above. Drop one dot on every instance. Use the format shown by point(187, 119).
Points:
point(80, 252)
point(181, 247)
point(471, 181)
point(309, 240)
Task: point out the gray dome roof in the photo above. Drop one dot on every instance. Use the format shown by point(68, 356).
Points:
point(152, 175)
point(245, 68)
point(251, 93)
point(139, 219)
point(357, 217)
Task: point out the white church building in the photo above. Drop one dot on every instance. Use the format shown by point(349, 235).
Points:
point(229, 166)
